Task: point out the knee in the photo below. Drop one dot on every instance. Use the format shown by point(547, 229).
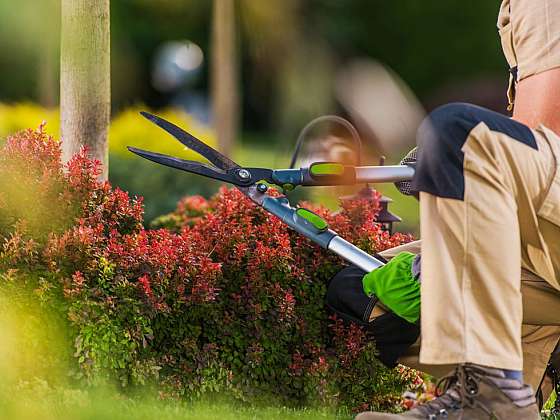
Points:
point(441, 137)
point(440, 140)
point(446, 128)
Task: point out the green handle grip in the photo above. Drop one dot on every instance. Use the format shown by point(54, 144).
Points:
point(301, 220)
point(329, 173)
point(317, 221)
point(326, 169)
point(319, 173)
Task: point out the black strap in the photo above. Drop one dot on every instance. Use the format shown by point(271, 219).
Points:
point(513, 71)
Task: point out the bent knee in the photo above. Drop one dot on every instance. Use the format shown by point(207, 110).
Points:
point(441, 137)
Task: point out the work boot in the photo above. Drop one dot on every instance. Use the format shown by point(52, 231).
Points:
point(472, 392)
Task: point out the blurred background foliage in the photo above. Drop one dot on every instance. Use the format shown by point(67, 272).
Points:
point(288, 55)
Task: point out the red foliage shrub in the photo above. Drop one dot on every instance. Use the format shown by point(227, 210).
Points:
point(225, 298)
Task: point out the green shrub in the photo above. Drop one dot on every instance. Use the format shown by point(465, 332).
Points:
point(17, 117)
point(224, 299)
point(162, 186)
point(127, 128)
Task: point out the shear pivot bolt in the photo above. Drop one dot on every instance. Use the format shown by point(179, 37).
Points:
point(262, 188)
point(244, 174)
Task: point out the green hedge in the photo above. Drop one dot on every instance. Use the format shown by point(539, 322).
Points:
point(223, 300)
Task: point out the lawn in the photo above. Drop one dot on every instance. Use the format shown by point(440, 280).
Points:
point(39, 402)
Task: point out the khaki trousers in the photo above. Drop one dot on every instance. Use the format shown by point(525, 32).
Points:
point(489, 193)
point(540, 331)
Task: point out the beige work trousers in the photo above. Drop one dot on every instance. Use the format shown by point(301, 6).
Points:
point(475, 246)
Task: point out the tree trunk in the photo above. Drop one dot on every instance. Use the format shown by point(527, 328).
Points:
point(225, 97)
point(85, 78)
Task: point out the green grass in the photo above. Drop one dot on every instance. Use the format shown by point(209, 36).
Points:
point(39, 379)
point(40, 402)
point(549, 406)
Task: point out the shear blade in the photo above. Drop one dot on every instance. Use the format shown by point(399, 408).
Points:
point(192, 142)
point(184, 165)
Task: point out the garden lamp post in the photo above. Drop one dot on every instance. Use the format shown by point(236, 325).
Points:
point(385, 217)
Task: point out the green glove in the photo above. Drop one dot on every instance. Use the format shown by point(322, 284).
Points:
point(396, 287)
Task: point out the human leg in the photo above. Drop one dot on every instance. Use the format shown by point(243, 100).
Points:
point(481, 177)
point(478, 171)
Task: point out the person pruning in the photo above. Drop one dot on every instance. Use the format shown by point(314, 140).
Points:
point(489, 189)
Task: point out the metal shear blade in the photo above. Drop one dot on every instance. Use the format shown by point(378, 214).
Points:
point(185, 165)
point(223, 168)
point(192, 142)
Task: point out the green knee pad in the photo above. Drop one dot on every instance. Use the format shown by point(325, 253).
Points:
point(396, 287)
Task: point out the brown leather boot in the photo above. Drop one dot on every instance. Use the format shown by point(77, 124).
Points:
point(472, 393)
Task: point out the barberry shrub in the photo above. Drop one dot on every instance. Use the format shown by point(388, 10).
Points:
point(218, 297)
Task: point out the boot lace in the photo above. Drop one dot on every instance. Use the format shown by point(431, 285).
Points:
point(456, 391)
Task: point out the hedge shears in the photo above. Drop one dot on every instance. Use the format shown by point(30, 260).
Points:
point(253, 182)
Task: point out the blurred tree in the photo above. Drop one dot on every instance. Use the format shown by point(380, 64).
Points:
point(29, 38)
point(85, 78)
point(224, 82)
point(288, 49)
point(289, 71)
point(48, 54)
point(47, 75)
point(428, 43)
